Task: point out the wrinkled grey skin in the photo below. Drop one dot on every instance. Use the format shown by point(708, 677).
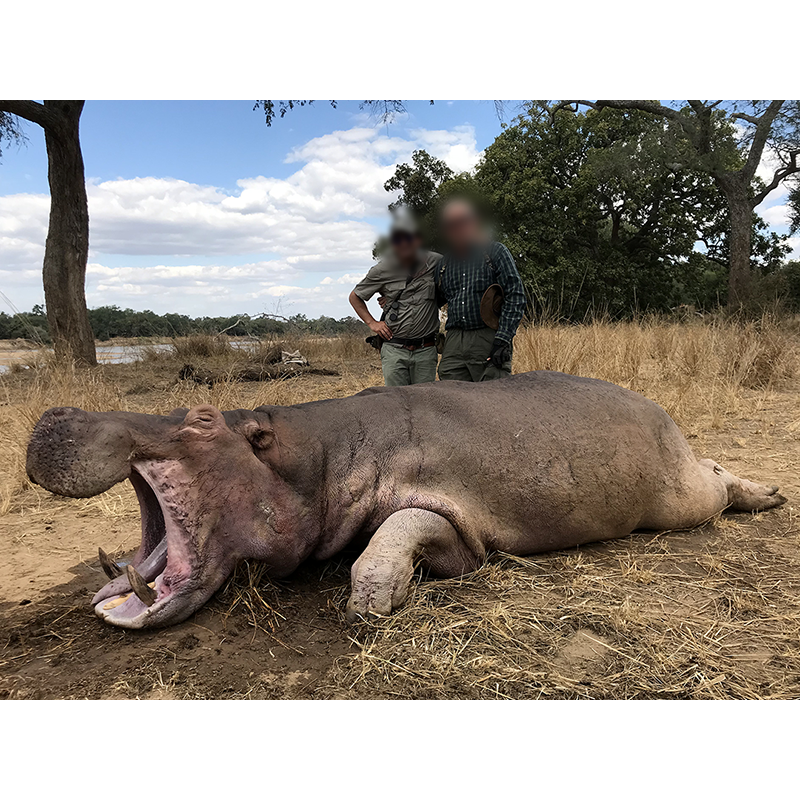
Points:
point(433, 475)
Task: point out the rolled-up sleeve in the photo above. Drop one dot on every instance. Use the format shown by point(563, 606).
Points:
point(370, 284)
point(513, 292)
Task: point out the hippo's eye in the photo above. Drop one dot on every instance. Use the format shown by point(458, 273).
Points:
point(203, 418)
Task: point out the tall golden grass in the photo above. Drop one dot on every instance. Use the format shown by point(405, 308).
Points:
point(699, 372)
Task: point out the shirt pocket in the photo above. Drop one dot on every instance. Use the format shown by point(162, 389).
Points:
point(421, 293)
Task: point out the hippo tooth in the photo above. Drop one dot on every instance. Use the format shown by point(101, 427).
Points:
point(144, 592)
point(110, 568)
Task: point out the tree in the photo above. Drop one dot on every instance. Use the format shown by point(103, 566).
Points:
point(67, 245)
point(793, 202)
point(757, 126)
point(595, 212)
point(418, 184)
point(10, 130)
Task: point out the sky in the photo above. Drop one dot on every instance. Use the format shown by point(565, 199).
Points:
point(198, 208)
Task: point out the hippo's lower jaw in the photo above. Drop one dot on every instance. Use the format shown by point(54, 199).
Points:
point(172, 587)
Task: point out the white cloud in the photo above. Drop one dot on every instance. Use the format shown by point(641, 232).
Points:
point(317, 220)
point(776, 216)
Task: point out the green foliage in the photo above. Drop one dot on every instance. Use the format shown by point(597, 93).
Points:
point(31, 325)
point(282, 109)
point(785, 284)
point(109, 322)
point(419, 185)
point(384, 110)
point(793, 202)
point(605, 212)
point(10, 131)
point(418, 182)
point(598, 211)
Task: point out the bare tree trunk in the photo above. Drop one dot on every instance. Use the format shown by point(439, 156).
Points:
point(740, 206)
point(67, 248)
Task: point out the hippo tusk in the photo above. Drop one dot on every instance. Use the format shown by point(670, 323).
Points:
point(111, 568)
point(140, 587)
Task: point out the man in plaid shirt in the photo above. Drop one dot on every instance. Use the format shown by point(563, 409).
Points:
point(473, 351)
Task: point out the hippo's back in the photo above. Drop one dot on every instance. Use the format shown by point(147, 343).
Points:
point(568, 407)
point(545, 446)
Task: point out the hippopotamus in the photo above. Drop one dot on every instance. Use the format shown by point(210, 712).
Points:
point(432, 476)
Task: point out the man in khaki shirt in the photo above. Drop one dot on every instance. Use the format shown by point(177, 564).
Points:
point(410, 322)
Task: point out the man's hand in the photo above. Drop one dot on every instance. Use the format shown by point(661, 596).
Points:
point(500, 353)
point(381, 328)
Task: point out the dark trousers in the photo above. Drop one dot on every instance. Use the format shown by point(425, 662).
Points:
point(464, 357)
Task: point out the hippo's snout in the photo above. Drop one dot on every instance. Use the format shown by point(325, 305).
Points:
point(78, 453)
point(197, 481)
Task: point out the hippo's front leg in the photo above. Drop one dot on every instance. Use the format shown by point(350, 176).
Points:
point(381, 576)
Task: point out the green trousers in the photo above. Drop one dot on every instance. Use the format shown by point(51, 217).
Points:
point(402, 367)
point(464, 357)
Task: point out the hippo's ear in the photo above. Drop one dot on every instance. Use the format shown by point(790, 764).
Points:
point(260, 434)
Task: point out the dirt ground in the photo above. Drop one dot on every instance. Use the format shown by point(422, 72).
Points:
point(709, 613)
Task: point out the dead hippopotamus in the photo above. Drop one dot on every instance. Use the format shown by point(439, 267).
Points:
point(433, 475)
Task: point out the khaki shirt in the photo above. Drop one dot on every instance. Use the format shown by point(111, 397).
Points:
point(417, 311)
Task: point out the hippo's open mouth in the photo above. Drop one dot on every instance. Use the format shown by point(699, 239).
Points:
point(161, 573)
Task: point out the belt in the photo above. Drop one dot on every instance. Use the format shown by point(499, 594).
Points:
point(415, 344)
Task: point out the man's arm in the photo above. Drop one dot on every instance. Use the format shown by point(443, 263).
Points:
point(371, 283)
point(376, 326)
point(513, 293)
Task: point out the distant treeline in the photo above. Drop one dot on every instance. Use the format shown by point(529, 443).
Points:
point(109, 322)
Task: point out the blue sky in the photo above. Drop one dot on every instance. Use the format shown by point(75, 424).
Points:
point(199, 208)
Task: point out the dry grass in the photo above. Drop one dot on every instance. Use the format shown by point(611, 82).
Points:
point(644, 617)
point(696, 371)
point(703, 614)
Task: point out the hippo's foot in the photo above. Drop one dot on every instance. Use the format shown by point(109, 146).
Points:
point(750, 496)
point(745, 495)
point(381, 577)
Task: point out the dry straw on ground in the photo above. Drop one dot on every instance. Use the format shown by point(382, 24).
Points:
point(700, 614)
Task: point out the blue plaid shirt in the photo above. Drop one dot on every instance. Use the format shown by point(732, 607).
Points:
point(462, 282)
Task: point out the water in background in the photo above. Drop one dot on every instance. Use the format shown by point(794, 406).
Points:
point(106, 354)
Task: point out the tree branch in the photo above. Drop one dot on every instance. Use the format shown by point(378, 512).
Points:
point(763, 127)
point(32, 111)
point(784, 172)
point(572, 105)
point(648, 106)
point(746, 117)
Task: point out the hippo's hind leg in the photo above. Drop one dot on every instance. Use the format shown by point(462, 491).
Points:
point(742, 494)
point(408, 538)
point(703, 490)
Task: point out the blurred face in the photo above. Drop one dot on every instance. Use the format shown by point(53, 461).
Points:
point(405, 246)
point(460, 225)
